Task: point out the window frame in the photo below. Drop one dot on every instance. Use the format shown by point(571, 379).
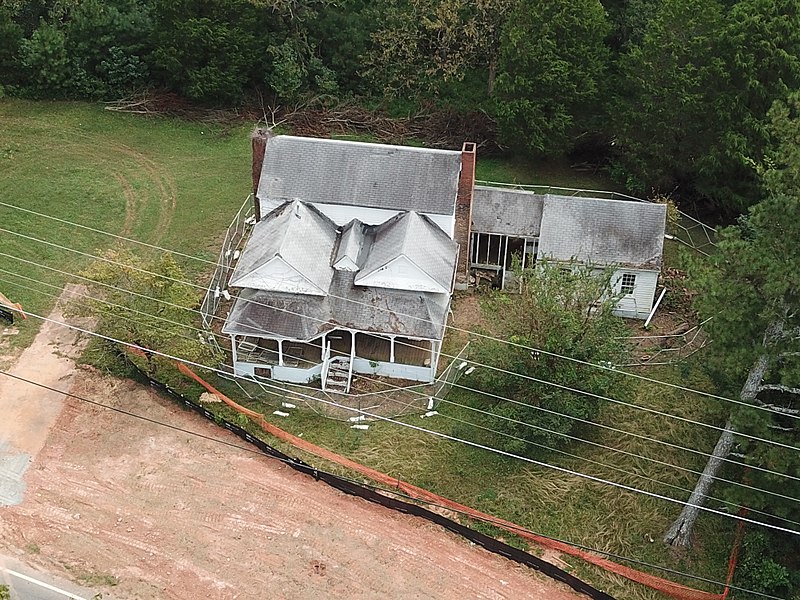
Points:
point(627, 283)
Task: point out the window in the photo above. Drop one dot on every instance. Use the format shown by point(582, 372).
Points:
point(628, 283)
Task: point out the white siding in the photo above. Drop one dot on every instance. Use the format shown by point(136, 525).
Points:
point(401, 274)
point(638, 304)
point(397, 370)
point(279, 276)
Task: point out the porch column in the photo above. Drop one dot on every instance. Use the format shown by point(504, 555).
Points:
point(505, 258)
point(280, 353)
point(233, 350)
point(352, 347)
point(391, 348)
point(433, 359)
point(322, 356)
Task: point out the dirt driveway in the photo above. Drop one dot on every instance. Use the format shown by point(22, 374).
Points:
point(113, 499)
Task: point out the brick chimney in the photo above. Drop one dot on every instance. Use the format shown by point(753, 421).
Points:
point(466, 188)
point(259, 139)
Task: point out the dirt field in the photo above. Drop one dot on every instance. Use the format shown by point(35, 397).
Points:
point(113, 499)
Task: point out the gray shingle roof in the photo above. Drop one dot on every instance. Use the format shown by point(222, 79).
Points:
point(602, 232)
point(300, 235)
point(396, 312)
point(509, 212)
point(357, 173)
point(417, 238)
point(351, 242)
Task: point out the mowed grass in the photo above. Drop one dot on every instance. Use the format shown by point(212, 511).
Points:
point(161, 181)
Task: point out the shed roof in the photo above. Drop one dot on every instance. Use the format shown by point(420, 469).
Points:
point(602, 232)
point(359, 174)
point(509, 212)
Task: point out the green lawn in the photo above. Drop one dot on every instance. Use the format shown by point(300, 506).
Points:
point(162, 181)
point(178, 184)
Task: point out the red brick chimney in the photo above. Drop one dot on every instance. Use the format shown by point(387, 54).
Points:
point(466, 188)
point(259, 139)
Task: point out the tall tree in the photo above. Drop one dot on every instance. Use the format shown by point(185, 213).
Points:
point(552, 63)
point(564, 310)
point(751, 288)
point(423, 43)
point(666, 110)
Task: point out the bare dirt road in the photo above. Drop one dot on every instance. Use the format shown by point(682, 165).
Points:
point(115, 500)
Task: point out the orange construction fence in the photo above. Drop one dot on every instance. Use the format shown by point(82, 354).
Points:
point(665, 586)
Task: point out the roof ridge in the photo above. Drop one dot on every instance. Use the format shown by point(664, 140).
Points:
point(354, 143)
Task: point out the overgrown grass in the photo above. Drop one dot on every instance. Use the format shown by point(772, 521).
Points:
point(555, 172)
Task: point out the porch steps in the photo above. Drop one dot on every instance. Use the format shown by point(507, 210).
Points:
point(339, 374)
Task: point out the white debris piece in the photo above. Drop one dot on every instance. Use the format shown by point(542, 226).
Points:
point(288, 405)
point(357, 419)
point(430, 413)
point(280, 413)
point(362, 427)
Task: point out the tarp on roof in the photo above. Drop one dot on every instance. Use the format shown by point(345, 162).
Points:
point(359, 174)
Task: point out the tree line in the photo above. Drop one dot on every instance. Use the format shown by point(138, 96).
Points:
point(670, 95)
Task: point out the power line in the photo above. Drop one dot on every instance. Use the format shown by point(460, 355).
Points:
point(452, 327)
point(376, 487)
point(502, 417)
point(503, 398)
point(443, 435)
point(492, 367)
point(542, 409)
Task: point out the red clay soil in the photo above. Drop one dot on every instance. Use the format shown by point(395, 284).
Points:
point(173, 516)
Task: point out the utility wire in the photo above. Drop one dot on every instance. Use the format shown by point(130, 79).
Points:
point(452, 327)
point(538, 408)
point(528, 442)
point(492, 367)
point(376, 488)
point(443, 435)
point(506, 399)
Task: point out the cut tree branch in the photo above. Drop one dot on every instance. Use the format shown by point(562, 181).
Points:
point(779, 388)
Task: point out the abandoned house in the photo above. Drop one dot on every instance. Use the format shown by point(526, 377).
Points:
point(351, 263)
point(357, 248)
point(511, 226)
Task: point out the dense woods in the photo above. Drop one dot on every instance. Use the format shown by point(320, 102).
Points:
point(670, 96)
